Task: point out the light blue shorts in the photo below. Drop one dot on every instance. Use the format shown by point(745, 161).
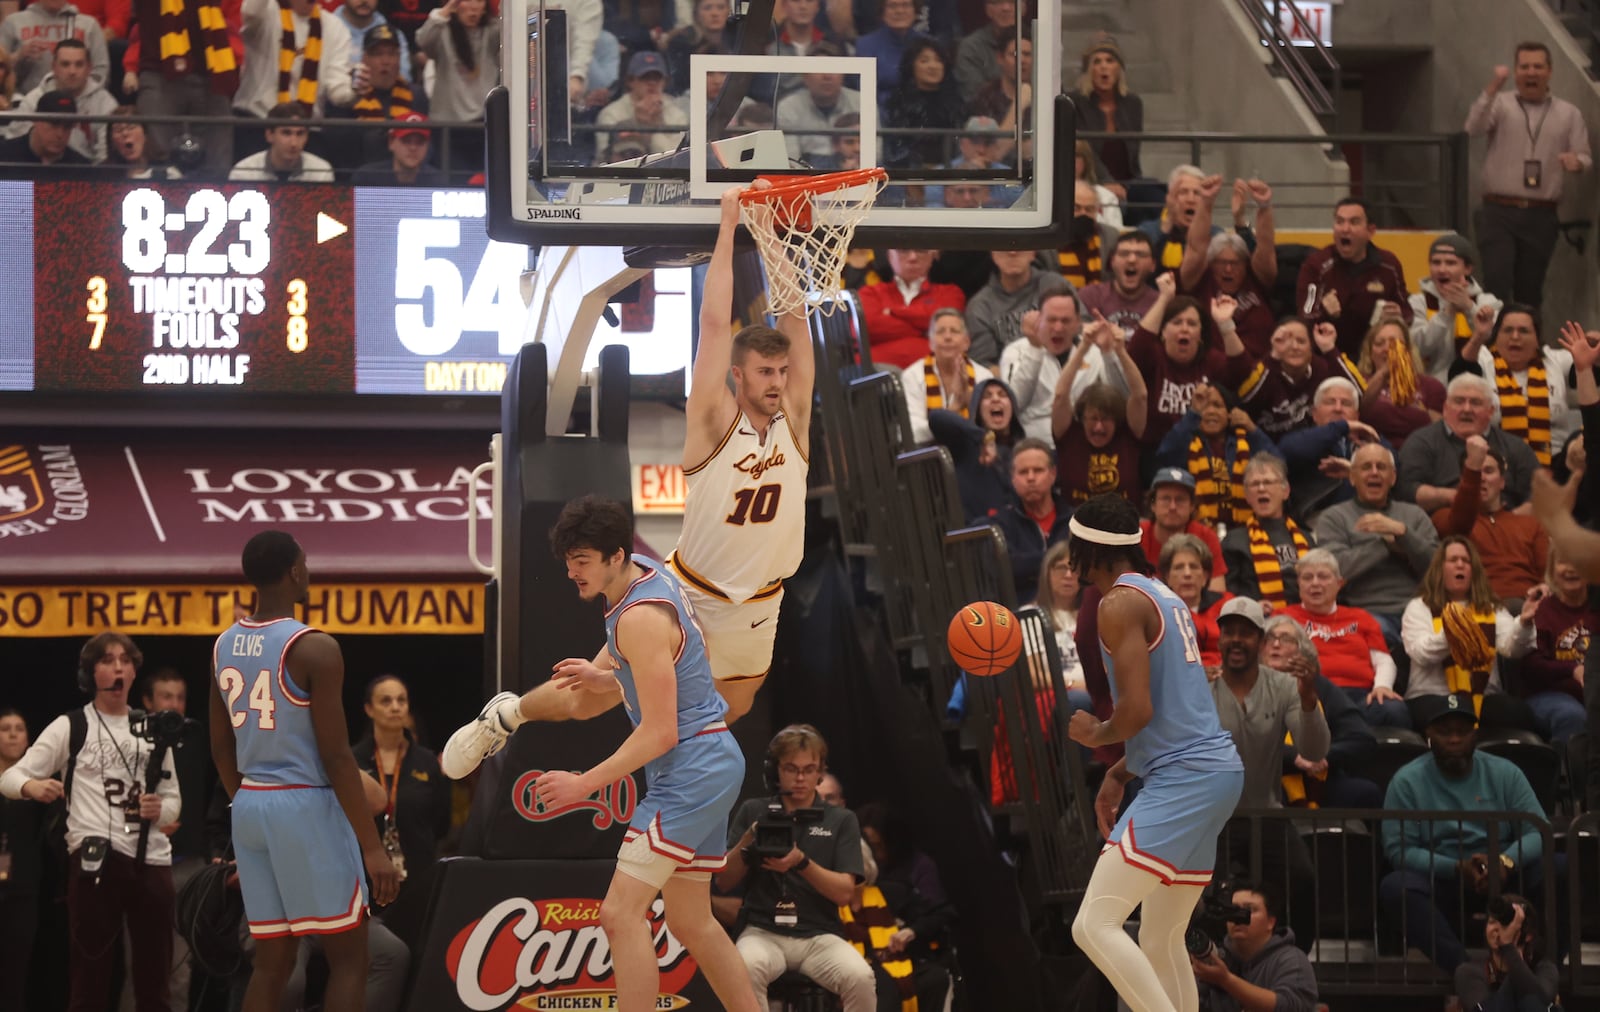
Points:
point(299, 867)
point(1171, 828)
point(683, 817)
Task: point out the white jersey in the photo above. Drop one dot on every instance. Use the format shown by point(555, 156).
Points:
point(744, 513)
point(111, 766)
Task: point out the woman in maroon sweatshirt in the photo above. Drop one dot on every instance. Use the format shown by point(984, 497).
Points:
point(1552, 676)
point(1168, 349)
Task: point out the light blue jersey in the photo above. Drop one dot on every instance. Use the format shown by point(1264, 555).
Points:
point(1183, 729)
point(274, 740)
point(699, 703)
point(689, 791)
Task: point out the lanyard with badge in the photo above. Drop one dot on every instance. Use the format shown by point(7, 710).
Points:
point(1532, 167)
point(391, 832)
point(130, 801)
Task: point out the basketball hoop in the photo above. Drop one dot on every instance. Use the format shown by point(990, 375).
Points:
point(802, 226)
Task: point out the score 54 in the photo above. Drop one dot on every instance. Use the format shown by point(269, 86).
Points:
point(489, 303)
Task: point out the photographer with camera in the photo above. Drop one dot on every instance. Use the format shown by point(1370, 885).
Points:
point(799, 860)
point(1518, 976)
point(119, 870)
point(1257, 967)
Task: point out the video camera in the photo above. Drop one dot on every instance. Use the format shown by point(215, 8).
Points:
point(1211, 919)
point(162, 728)
point(777, 832)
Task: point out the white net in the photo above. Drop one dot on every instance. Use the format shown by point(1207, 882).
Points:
point(804, 235)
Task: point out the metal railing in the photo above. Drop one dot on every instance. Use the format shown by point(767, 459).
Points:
point(1427, 188)
point(442, 141)
point(1290, 59)
point(1362, 946)
point(1431, 191)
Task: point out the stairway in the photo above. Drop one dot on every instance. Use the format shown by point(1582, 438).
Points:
point(1148, 74)
point(1582, 19)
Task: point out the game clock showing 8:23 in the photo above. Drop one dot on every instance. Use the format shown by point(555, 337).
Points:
point(160, 286)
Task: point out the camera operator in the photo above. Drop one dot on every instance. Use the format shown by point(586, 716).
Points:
point(792, 896)
point(1258, 967)
point(107, 807)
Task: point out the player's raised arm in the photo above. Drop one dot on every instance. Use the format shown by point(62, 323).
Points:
point(648, 636)
point(710, 407)
point(316, 659)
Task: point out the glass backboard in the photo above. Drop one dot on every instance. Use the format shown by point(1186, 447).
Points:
point(629, 137)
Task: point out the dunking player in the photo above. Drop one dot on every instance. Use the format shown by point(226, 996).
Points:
point(302, 831)
point(1161, 852)
point(654, 663)
point(745, 465)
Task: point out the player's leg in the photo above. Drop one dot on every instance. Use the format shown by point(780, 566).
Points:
point(269, 974)
point(739, 641)
point(500, 717)
point(1163, 921)
point(624, 916)
point(346, 952)
point(1115, 888)
point(740, 695)
point(688, 901)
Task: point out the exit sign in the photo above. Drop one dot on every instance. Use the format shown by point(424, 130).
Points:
point(1318, 16)
point(658, 488)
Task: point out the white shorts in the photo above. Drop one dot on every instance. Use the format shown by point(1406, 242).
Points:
point(739, 637)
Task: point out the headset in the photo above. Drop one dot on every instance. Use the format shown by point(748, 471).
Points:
point(794, 734)
point(86, 673)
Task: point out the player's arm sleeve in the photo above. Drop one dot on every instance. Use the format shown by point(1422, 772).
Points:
point(43, 760)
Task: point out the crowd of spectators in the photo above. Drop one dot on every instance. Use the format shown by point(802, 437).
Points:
point(948, 94)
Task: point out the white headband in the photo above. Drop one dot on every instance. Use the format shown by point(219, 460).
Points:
point(1100, 537)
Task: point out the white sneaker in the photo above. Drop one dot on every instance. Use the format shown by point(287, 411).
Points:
point(473, 743)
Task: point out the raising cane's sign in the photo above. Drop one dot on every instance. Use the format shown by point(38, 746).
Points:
point(511, 935)
point(552, 954)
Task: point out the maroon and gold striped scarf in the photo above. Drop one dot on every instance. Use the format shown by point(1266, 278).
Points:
point(1220, 496)
point(1525, 415)
point(935, 390)
point(305, 90)
point(222, 68)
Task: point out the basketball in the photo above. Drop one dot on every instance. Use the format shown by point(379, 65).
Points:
point(984, 638)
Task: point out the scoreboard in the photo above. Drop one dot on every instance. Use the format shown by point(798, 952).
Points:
point(280, 289)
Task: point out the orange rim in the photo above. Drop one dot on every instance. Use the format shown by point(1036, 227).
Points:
point(788, 186)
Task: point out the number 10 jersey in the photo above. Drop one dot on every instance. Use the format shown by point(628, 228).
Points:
point(744, 512)
point(274, 741)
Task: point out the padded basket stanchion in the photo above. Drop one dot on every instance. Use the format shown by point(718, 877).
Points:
point(802, 226)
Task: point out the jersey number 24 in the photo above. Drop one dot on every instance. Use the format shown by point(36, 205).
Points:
point(232, 682)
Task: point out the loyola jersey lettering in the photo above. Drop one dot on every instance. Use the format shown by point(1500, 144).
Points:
point(744, 511)
point(271, 714)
